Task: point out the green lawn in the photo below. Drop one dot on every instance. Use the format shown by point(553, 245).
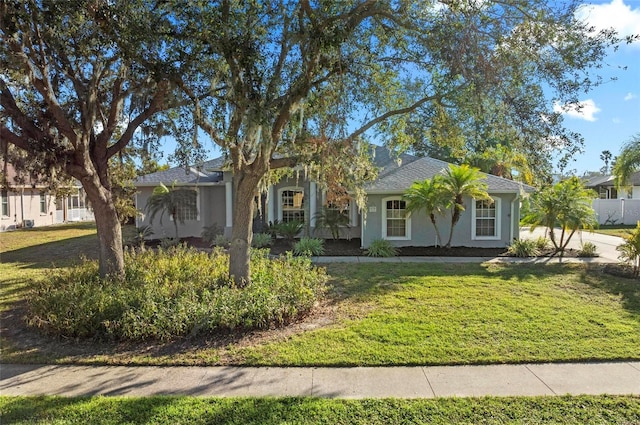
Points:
point(620, 230)
point(381, 314)
point(265, 411)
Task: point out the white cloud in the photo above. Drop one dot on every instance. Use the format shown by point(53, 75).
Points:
point(630, 96)
point(584, 110)
point(617, 15)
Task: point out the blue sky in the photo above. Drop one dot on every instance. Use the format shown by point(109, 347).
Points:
point(610, 114)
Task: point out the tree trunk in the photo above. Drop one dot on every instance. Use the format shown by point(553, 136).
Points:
point(433, 221)
point(111, 255)
point(244, 185)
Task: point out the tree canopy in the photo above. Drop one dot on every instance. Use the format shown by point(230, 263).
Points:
point(278, 84)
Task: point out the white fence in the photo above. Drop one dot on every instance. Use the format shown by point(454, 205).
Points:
point(617, 211)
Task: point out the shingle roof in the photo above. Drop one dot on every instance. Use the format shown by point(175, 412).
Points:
point(181, 176)
point(396, 173)
point(634, 180)
point(398, 179)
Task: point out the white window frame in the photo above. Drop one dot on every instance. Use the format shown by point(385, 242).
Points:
point(349, 210)
point(4, 200)
point(498, 221)
point(407, 221)
point(43, 203)
point(197, 189)
point(280, 205)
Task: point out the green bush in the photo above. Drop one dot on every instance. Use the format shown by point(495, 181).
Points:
point(210, 233)
point(524, 248)
point(309, 247)
point(172, 293)
point(289, 229)
point(381, 248)
point(261, 240)
point(630, 249)
point(588, 250)
point(221, 241)
point(141, 235)
point(542, 243)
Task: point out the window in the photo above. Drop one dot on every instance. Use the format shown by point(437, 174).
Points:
point(292, 205)
point(395, 222)
point(486, 219)
point(43, 203)
point(5, 203)
point(76, 200)
point(188, 213)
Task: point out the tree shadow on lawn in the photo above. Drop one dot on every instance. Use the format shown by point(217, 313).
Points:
point(627, 289)
point(59, 253)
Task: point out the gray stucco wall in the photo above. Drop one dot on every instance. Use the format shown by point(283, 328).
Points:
point(211, 210)
point(422, 232)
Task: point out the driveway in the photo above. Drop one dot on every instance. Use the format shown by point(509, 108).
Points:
point(606, 244)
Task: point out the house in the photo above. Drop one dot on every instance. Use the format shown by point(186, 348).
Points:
point(615, 206)
point(25, 202)
point(487, 224)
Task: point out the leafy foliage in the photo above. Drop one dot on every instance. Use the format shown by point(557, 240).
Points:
point(565, 205)
point(174, 292)
point(141, 235)
point(630, 249)
point(381, 248)
point(333, 220)
point(177, 202)
point(460, 182)
point(261, 240)
point(627, 162)
point(523, 248)
point(289, 229)
point(210, 233)
point(309, 247)
point(430, 195)
point(588, 249)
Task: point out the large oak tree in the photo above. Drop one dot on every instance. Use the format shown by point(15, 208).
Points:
point(77, 80)
point(291, 80)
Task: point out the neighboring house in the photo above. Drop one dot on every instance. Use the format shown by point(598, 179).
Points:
point(28, 203)
point(484, 223)
point(615, 206)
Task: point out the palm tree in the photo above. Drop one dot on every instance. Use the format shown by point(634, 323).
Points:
point(462, 181)
point(627, 162)
point(503, 161)
point(566, 205)
point(430, 196)
point(178, 202)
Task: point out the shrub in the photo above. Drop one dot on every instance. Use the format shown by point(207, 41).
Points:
point(333, 220)
point(381, 248)
point(166, 243)
point(309, 247)
point(289, 229)
point(141, 235)
point(210, 233)
point(261, 240)
point(523, 248)
point(630, 249)
point(542, 243)
point(221, 241)
point(172, 293)
point(588, 250)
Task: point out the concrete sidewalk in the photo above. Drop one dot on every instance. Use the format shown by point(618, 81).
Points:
point(358, 382)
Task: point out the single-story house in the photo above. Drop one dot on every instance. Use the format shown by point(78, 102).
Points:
point(605, 187)
point(615, 206)
point(26, 202)
point(487, 224)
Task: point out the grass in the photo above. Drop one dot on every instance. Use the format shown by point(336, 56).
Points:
point(386, 314)
point(467, 314)
point(620, 230)
point(246, 411)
